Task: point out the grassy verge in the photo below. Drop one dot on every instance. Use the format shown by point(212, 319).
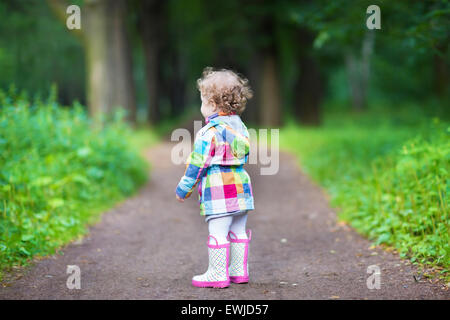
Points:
point(143, 138)
point(58, 172)
point(389, 180)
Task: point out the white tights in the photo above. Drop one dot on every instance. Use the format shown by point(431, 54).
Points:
point(219, 227)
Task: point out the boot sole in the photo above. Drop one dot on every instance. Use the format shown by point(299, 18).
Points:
point(238, 279)
point(209, 284)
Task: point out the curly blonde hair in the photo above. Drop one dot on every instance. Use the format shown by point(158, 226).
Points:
point(227, 90)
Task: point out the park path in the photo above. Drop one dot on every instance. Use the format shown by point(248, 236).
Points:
point(150, 246)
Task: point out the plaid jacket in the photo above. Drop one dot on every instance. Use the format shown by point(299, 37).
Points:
point(221, 149)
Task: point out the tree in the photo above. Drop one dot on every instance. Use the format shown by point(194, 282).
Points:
point(152, 16)
point(339, 28)
point(263, 15)
point(108, 60)
point(269, 92)
point(308, 85)
point(358, 71)
point(441, 71)
point(417, 30)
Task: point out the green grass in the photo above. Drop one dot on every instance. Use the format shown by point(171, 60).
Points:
point(388, 178)
point(58, 172)
point(143, 137)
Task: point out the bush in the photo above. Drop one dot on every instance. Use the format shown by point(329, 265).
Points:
point(57, 173)
point(389, 182)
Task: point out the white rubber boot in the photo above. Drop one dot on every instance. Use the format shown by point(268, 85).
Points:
point(238, 269)
point(217, 274)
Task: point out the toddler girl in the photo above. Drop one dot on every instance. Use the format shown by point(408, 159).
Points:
point(221, 149)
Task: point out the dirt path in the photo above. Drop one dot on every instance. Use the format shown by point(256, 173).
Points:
point(150, 246)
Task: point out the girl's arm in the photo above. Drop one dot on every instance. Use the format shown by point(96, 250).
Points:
point(197, 164)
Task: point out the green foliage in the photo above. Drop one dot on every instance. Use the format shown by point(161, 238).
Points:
point(144, 137)
point(36, 50)
point(413, 24)
point(413, 35)
point(389, 181)
point(57, 173)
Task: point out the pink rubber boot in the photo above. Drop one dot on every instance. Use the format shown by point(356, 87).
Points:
point(217, 274)
point(238, 269)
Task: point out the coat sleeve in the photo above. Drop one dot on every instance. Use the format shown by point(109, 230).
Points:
point(197, 163)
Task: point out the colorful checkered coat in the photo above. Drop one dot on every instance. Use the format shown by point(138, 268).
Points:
point(221, 149)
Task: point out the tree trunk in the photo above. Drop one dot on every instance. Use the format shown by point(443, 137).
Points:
point(121, 67)
point(354, 81)
point(95, 36)
point(269, 92)
point(309, 83)
point(441, 73)
point(177, 87)
point(252, 112)
point(366, 56)
point(308, 93)
point(151, 16)
point(108, 59)
point(358, 72)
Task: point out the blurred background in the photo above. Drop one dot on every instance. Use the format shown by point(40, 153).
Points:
point(366, 111)
point(301, 57)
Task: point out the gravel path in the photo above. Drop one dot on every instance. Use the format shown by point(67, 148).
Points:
point(150, 246)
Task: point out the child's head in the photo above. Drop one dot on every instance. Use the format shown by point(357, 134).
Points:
point(223, 90)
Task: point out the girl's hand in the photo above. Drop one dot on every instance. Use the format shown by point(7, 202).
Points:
point(179, 199)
